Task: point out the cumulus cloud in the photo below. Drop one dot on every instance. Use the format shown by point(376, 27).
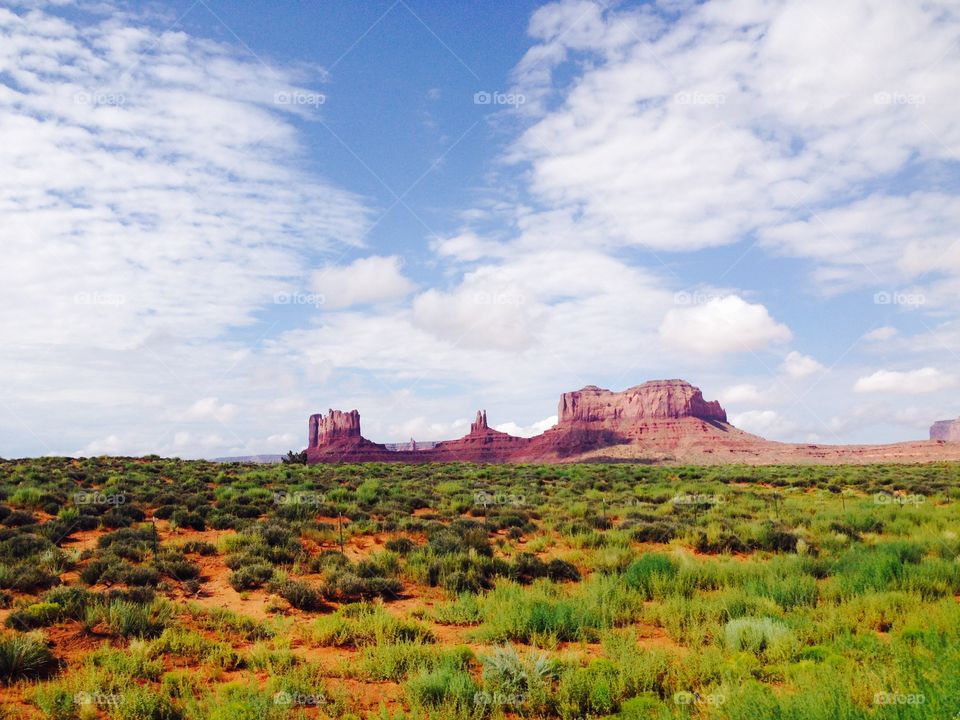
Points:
point(367, 280)
point(924, 380)
point(743, 393)
point(511, 428)
point(152, 174)
point(152, 201)
point(881, 334)
point(732, 118)
point(722, 325)
point(766, 423)
point(798, 365)
point(211, 409)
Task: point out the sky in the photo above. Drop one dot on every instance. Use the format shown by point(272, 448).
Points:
point(218, 217)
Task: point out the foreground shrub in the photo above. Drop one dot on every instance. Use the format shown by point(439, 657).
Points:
point(299, 594)
point(363, 624)
point(649, 572)
point(346, 586)
point(761, 636)
point(135, 620)
point(24, 656)
point(249, 577)
point(448, 689)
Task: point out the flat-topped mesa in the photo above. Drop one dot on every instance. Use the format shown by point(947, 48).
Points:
point(655, 400)
point(946, 430)
point(336, 426)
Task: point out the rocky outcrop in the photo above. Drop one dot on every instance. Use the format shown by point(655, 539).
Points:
point(589, 419)
point(664, 421)
point(480, 424)
point(660, 415)
point(620, 411)
point(946, 430)
point(336, 426)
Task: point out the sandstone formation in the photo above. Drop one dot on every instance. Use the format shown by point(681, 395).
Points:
point(620, 411)
point(336, 426)
point(663, 421)
point(946, 430)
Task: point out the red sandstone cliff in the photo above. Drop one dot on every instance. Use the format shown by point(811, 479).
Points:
point(658, 399)
point(589, 419)
point(664, 421)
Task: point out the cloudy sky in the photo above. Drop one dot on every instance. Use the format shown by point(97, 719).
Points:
point(217, 217)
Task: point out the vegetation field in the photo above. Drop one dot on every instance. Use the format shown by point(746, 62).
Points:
point(153, 589)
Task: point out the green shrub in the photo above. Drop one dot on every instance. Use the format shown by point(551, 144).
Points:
point(761, 636)
point(449, 689)
point(363, 624)
point(299, 594)
point(249, 577)
point(36, 615)
point(141, 703)
point(346, 586)
point(649, 572)
point(24, 656)
point(130, 619)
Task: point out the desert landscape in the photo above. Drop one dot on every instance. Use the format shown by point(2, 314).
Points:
point(625, 334)
point(164, 589)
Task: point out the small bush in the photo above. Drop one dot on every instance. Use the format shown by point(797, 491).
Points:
point(24, 656)
point(134, 620)
point(299, 594)
point(649, 571)
point(250, 576)
point(761, 636)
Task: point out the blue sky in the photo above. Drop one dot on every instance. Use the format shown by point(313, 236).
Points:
point(219, 217)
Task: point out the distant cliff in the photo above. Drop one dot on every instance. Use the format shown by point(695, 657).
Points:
point(946, 430)
point(589, 419)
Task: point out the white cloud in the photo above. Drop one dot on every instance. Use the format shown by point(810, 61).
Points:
point(736, 117)
point(798, 365)
point(110, 445)
point(766, 423)
point(924, 380)
point(211, 408)
point(744, 393)
point(511, 428)
point(467, 246)
point(881, 334)
point(154, 176)
point(721, 325)
point(367, 280)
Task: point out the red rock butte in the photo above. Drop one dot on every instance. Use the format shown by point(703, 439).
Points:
point(662, 421)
